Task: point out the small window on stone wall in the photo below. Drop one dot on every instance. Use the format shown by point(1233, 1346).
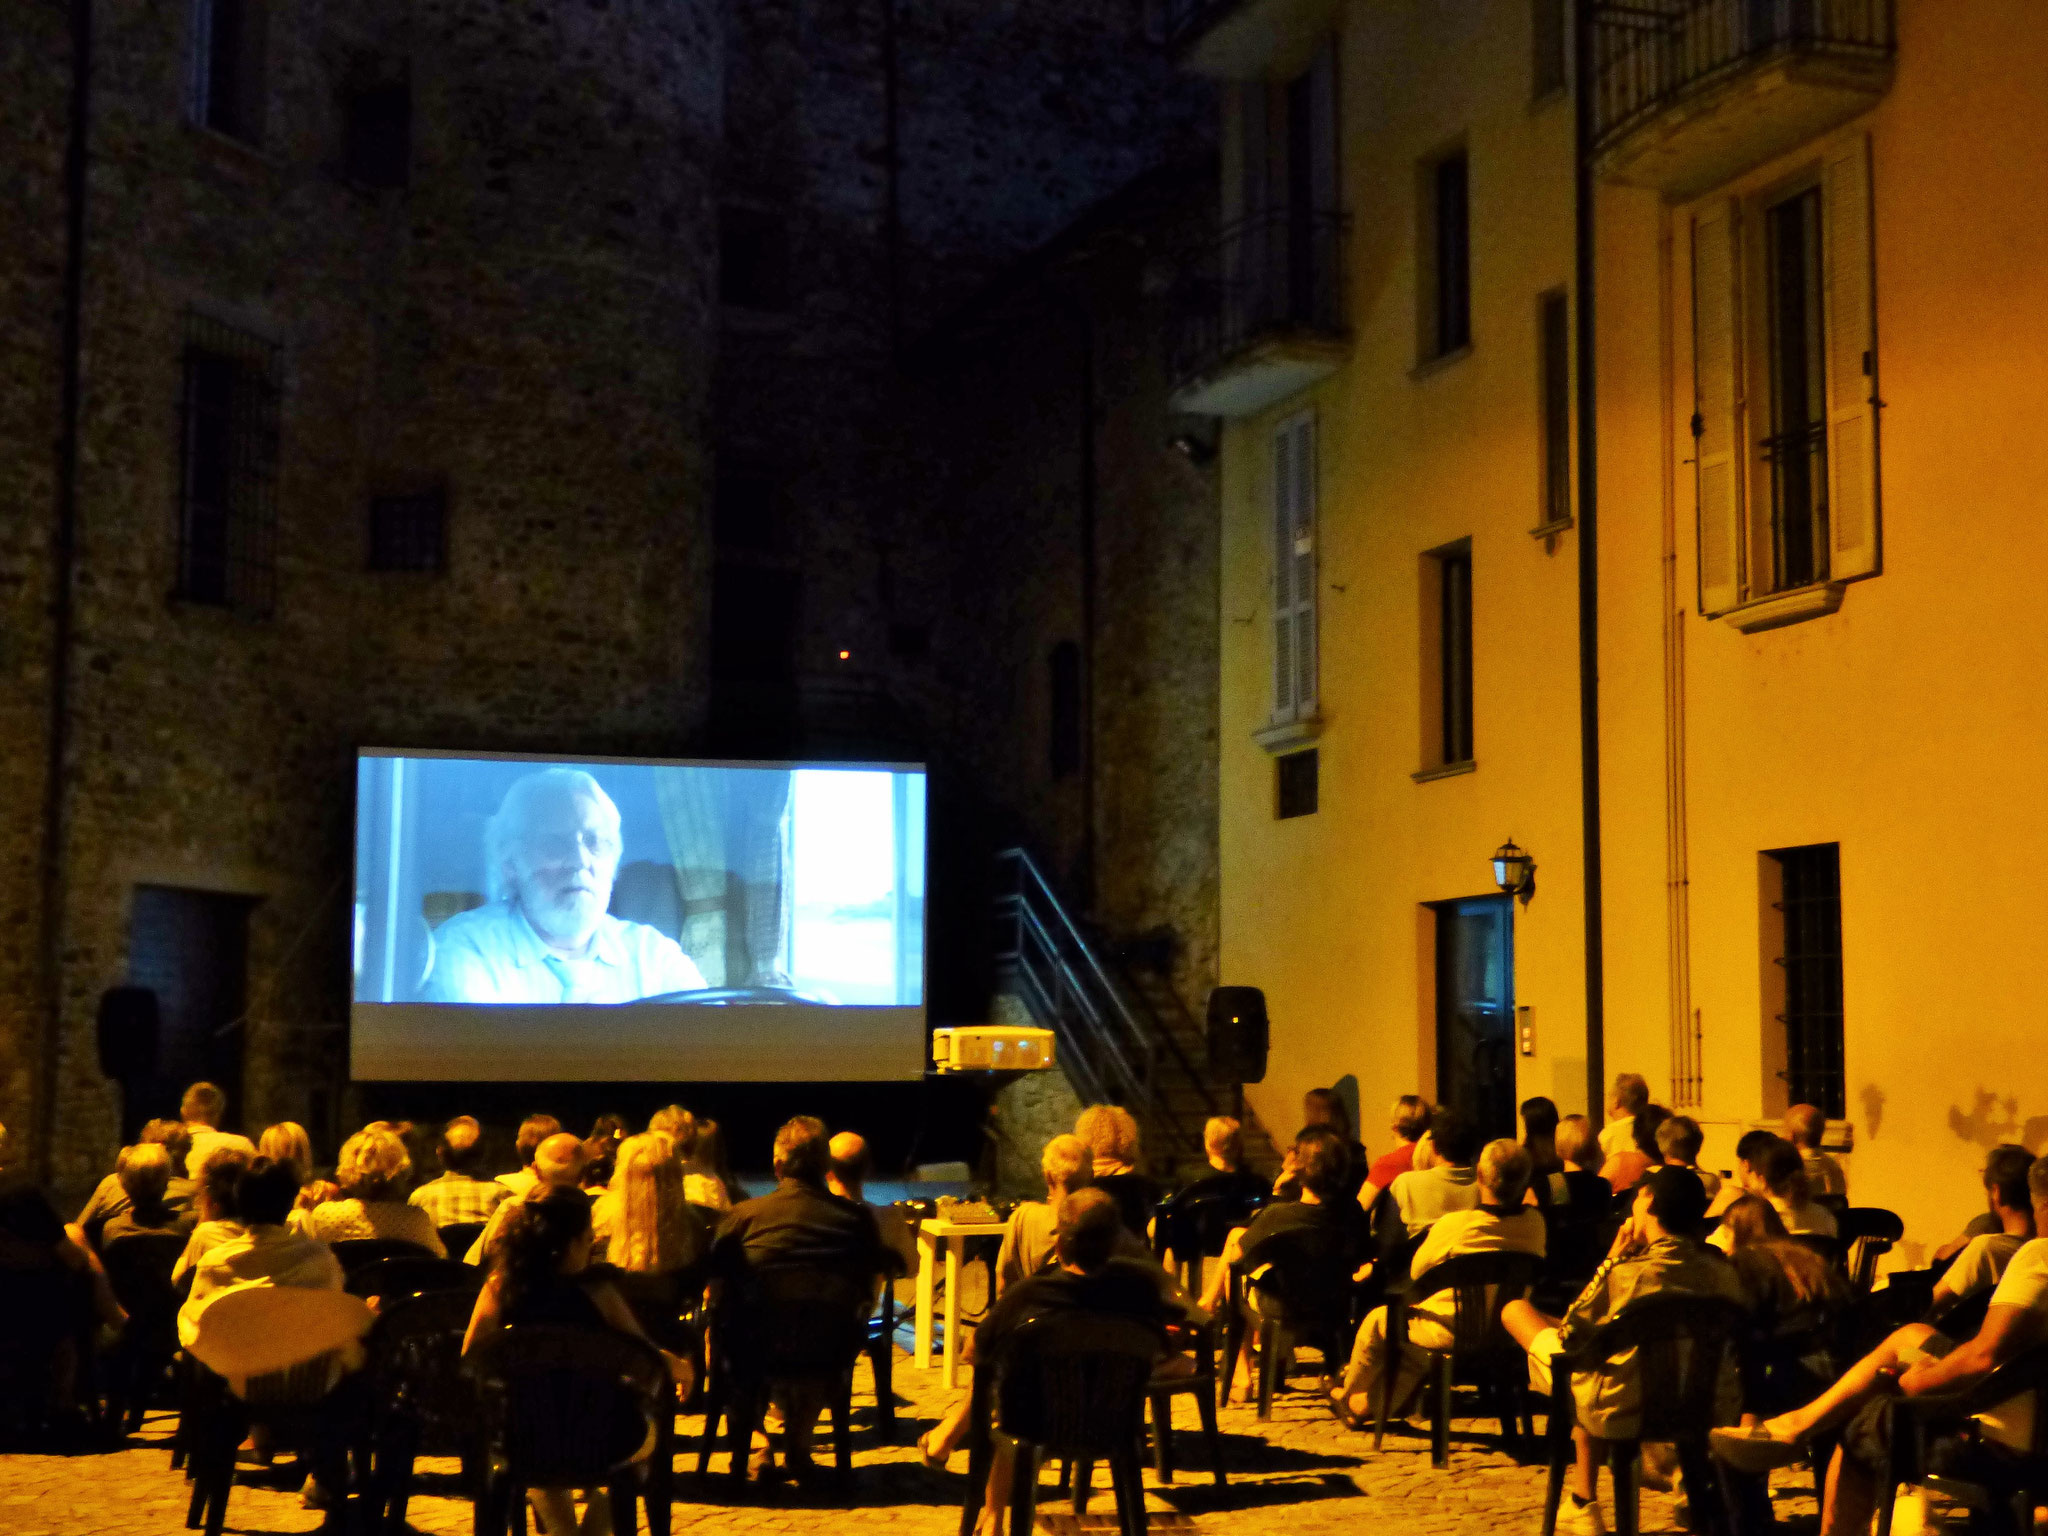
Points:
point(227, 502)
point(1296, 776)
point(229, 84)
point(409, 533)
point(377, 128)
point(753, 259)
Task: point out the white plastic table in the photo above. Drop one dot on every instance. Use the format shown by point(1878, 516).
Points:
point(931, 1232)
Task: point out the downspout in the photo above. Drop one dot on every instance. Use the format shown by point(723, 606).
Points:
point(1584, 83)
point(64, 561)
point(1089, 577)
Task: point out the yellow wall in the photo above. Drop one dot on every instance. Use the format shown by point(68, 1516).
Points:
point(1910, 726)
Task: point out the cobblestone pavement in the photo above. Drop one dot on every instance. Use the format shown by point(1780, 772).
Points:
point(1301, 1474)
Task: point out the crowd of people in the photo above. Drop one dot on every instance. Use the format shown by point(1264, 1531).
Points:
point(603, 1230)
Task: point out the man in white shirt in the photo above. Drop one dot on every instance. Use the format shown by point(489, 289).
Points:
point(1498, 1223)
point(1985, 1258)
point(1631, 1096)
point(551, 854)
point(202, 1110)
point(1913, 1362)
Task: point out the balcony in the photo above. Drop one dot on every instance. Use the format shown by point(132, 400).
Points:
point(1689, 94)
point(1259, 315)
point(1247, 39)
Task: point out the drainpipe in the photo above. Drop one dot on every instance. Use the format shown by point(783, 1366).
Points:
point(1584, 83)
point(1089, 579)
point(64, 561)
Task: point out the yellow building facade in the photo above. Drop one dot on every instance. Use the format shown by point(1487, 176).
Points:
point(1819, 266)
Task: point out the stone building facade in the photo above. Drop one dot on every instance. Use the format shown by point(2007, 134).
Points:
point(555, 363)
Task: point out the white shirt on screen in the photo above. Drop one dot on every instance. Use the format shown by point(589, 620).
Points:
point(492, 955)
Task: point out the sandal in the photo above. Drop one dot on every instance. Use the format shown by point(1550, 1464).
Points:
point(934, 1460)
point(1341, 1411)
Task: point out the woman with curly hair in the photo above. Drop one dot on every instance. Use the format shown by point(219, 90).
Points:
point(374, 1174)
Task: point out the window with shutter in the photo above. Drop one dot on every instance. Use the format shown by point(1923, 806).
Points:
point(1851, 364)
point(1294, 569)
point(1717, 432)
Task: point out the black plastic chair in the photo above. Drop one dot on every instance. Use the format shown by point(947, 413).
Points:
point(1201, 1382)
point(880, 1349)
point(1868, 1233)
point(1830, 1248)
point(566, 1408)
point(2000, 1486)
point(1195, 1224)
point(1302, 1282)
point(357, 1252)
point(1682, 1344)
point(783, 1326)
point(138, 1271)
point(458, 1237)
point(424, 1401)
point(414, 1275)
point(1481, 1351)
point(1072, 1386)
point(303, 1406)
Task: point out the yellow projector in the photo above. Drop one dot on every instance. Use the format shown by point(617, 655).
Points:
point(992, 1048)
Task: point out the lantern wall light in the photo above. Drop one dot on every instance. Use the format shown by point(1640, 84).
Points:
point(1514, 871)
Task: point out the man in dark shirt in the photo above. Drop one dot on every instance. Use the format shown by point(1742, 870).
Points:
point(801, 1228)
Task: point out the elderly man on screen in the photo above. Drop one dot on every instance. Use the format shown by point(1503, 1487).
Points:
point(552, 852)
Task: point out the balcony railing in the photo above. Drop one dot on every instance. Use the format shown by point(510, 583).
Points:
point(1649, 54)
point(1276, 276)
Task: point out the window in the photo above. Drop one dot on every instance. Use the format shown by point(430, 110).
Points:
point(1294, 569)
point(1454, 577)
point(1444, 265)
point(1550, 47)
point(748, 508)
point(228, 86)
point(409, 533)
point(753, 259)
point(1803, 1058)
point(1064, 674)
point(227, 506)
point(1785, 428)
point(1295, 787)
point(377, 132)
point(1283, 259)
point(1554, 381)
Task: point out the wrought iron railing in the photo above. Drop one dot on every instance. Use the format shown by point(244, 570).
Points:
point(1277, 271)
point(1112, 1042)
point(1649, 53)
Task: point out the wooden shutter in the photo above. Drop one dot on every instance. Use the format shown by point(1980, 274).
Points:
point(1718, 454)
point(1851, 364)
point(1294, 569)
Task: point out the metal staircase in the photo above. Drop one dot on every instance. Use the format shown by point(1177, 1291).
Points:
point(1122, 1038)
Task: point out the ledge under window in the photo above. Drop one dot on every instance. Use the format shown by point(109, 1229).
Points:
point(1285, 735)
point(1430, 366)
point(1444, 771)
point(1782, 608)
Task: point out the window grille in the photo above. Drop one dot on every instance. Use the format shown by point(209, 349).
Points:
point(1456, 571)
point(1296, 787)
point(227, 506)
point(1811, 907)
point(1555, 380)
point(1451, 252)
point(409, 533)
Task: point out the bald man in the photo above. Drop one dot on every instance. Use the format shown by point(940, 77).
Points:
point(459, 1196)
point(557, 1164)
point(846, 1175)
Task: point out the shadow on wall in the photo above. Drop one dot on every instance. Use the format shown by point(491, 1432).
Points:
point(1993, 1119)
point(1873, 1109)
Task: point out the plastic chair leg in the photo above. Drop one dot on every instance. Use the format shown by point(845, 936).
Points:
point(979, 1455)
point(714, 1410)
point(1129, 1484)
point(1269, 1367)
point(1706, 1491)
point(1624, 1461)
point(842, 1427)
point(882, 1357)
point(1440, 1412)
point(1082, 1475)
point(1162, 1435)
point(1024, 1491)
point(1212, 1441)
point(624, 1497)
point(1559, 1433)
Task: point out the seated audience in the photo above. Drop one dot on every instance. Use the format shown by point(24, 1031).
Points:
point(1984, 1260)
point(533, 1130)
point(600, 1157)
point(1914, 1361)
point(458, 1197)
point(1630, 1098)
point(1410, 1125)
point(1627, 1163)
point(1655, 1253)
point(108, 1198)
point(1983, 1224)
point(1112, 1136)
point(1780, 1277)
point(1679, 1140)
point(542, 1275)
point(372, 1176)
point(287, 1142)
point(215, 1207)
point(557, 1164)
point(1806, 1126)
point(145, 1174)
point(1783, 1174)
point(1068, 1166)
point(55, 1280)
point(1499, 1223)
point(202, 1110)
point(1578, 1187)
point(1450, 1183)
point(1750, 1148)
point(1228, 1176)
point(1539, 1140)
point(707, 1170)
point(1325, 1107)
point(652, 1237)
point(846, 1175)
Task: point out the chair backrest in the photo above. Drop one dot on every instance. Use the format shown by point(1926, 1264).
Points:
point(1073, 1383)
point(416, 1368)
point(1868, 1232)
point(458, 1237)
point(566, 1406)
point(1681, 1344)
point(2024, 1373)
point(1961, 1318)
point(414, 1276)
point(1481, 1285)
point(356, 1252)
point(258, 1330)
point(139, 1271)
point(1196, 1224)
point(794, 1322)
point(1304, 1277)
point(1830, 1248)
point(1834, 1203)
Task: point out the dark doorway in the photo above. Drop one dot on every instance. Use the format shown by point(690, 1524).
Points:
point(1475, 1010)
point(191, 948)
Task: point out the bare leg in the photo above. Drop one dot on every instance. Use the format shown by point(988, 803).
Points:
point(1523, 1322)
point(1839, 1403)
point(1002, 1473)
point(1851, 1498)
point(1587, 1472)
point(944, 1439)
point(556, 1509)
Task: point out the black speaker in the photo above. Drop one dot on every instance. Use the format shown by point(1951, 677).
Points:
point(1237, 1034)
point(128, 1022)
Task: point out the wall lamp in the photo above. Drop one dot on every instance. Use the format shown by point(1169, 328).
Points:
point(1514, 871)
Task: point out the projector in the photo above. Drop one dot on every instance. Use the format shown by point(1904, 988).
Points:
point(992, 1048)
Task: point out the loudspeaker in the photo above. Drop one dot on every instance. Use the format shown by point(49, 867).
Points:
point(1237, 1034)
point(128, 1022)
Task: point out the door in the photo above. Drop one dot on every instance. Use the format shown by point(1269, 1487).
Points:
point(191, 948)
point(1475, 1011)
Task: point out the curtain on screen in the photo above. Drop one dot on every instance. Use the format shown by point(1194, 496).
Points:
point(728, 833)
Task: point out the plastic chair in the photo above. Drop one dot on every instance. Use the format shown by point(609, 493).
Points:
point(880, 1349)
point(565, 1408)
point(1682, 1344)
point(458, 1237)
point(1833, 1249)
point(358, 1252)
point(1303, 1285)
point(1481, 1284)
point(414, 1275)
point(1194, 1225)
point(1164, 1388)
point(1868, 1232)
point(425, 1401)
point(138, 1270)
point(1073, 1386)
point(2001, 1487)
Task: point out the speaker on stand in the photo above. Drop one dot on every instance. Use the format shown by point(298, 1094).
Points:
point(1238, 1037)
